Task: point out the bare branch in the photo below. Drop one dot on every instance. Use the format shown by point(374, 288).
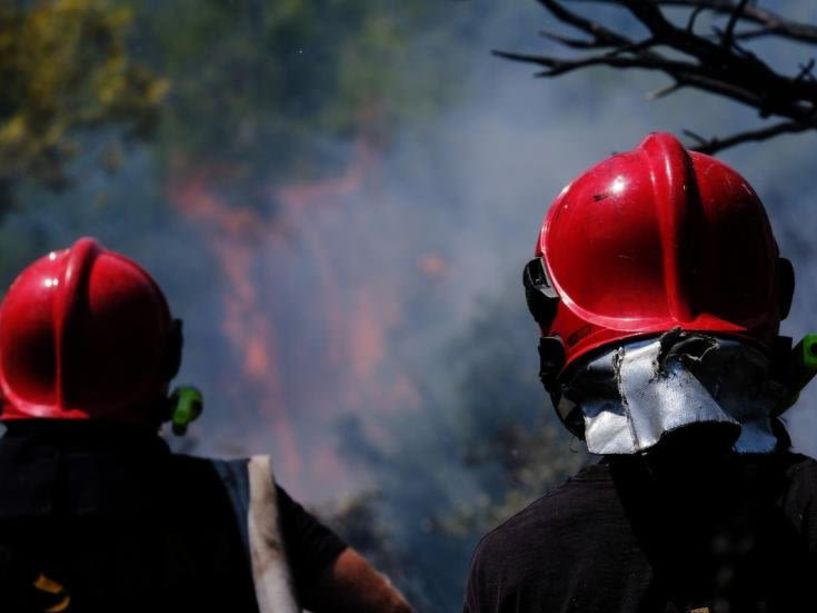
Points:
point(728, 38)
point(713, 145)
point(771, 22)
point(684, 73)
point(598, 32)
point(693, 16)
point(806, 71)
point(572, 43)
point(697, 138)
point(664, 91)
point(719, 66)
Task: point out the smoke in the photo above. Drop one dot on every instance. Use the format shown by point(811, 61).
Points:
point(328, 322)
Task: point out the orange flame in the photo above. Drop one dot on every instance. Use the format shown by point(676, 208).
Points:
point(249, 332)
point(258, 256)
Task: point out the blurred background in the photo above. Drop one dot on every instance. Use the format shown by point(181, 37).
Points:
point(338, 197)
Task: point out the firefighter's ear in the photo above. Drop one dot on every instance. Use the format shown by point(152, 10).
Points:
point(173, 353)
point(785, 286)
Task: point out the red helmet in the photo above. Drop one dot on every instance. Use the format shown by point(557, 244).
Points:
point(86, 333)
point(654, 239)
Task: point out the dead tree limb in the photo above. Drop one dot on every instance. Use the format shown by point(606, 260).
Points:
point(716, 61)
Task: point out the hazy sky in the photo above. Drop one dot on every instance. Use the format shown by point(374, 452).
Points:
point(343, 302)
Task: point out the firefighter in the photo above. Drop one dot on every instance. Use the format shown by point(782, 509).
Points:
point(658, 289)
point(96, 514)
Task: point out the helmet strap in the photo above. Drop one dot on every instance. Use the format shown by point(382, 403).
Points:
point(551, 363)
point(551, 359)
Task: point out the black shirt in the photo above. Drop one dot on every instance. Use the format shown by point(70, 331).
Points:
point(621, 536)
point(107, 516)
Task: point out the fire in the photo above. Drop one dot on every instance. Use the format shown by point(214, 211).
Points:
point(249, 332)
point(311, 327)
point(433, 266)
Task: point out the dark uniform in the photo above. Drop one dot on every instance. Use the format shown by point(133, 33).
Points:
point(658, 289)
point(99, 517)
point(96, 514)
point(624, 536)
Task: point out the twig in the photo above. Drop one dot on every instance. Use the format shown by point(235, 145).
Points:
point(572, 43)
point(720, 66)
point(728, 35)
point(713, 145)
point(693, 16)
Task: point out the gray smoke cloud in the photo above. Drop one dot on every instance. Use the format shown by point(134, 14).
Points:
point(363, 284)
point(356, 293)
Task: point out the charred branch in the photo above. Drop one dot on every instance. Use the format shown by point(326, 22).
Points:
point(714, 62)
point(712, 145)
point(769, 23)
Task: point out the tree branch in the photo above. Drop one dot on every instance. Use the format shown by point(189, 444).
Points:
point(713, 145)
point(719, 66)
point(728, 38)
point(771, 22)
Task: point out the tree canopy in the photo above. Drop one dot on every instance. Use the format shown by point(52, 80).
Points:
point(64, 69)
point(270, 87)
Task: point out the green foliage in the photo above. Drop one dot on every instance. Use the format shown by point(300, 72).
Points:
point(270, 86)
point(64, 67)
